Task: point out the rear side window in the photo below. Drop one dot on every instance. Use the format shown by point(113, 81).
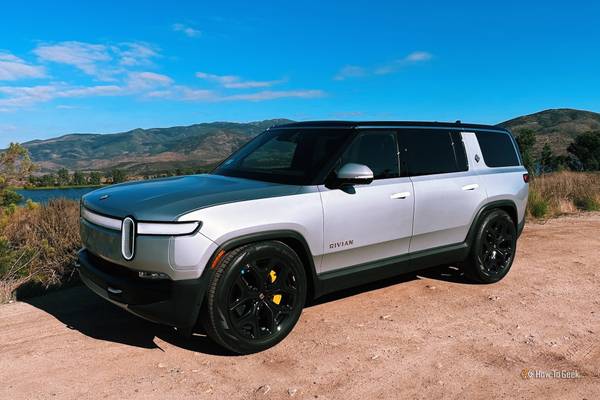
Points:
point(435, 151)
point(377, 150)
point(498, 149)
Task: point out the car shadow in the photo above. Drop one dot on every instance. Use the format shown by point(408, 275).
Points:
point(80, 309)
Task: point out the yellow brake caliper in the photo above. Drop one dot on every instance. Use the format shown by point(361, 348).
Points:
point(276, 297)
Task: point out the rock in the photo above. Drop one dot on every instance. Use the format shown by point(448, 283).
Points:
point(385, 316)
point(375, 357)
point(161, 365)
point(292, 391)
point(431, 287)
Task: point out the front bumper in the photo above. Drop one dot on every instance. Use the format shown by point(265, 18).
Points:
point(174, 303)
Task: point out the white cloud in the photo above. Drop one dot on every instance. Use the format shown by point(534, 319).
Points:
point(350, 71)
point(272, 95)
point(119, 65)
point(355, 71)
point(235, 82)
point(135, 53)
point(138, 81)
point(84, 56)
point(103, 62)
point(13, 68)
point(412, 58)
point(187, 30)
point(185, 93)
point(419, 56)
point(25, 96)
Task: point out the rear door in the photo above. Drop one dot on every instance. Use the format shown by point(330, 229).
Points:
point(364, 223)
point(447, 192)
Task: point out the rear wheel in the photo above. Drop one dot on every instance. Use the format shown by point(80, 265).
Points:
point(255, 297)
point(494, 247)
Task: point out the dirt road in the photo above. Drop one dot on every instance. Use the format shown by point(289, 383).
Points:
point(426, 336)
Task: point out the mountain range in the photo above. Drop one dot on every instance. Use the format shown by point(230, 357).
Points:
point(149, 151)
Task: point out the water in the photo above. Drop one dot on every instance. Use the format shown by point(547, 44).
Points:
point(43, 195)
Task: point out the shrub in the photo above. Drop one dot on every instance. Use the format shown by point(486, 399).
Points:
point(39, 243)
point(564, 192)
point(538, 207)
point(587, 204)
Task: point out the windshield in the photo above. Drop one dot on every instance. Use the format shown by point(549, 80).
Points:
point(291, 156)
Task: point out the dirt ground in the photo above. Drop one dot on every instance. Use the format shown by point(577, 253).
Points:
point(430, 335)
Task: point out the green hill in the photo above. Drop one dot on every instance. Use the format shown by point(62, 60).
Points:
point(557, 127)
point(146, 150)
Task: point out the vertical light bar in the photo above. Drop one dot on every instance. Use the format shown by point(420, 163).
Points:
point(128, 238)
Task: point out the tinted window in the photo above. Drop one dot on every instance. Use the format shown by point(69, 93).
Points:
point(498, 149)
point(459, 151)
point(430, 152)
point(377, 150)
point(285, 155)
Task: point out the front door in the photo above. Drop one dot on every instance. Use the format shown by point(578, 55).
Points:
point(364, 223)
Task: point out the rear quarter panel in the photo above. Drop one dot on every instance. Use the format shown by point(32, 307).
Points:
point(501, 183)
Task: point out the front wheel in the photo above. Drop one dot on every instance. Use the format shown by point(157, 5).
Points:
point(255, 297)
point(494, 248)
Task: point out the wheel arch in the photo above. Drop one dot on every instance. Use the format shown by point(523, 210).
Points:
point(291, 238)
point(508, 206)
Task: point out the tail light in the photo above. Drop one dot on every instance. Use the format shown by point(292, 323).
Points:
point(526, 178)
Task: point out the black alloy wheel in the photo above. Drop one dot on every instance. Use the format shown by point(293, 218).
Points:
point(255, 296)
point(494, 247)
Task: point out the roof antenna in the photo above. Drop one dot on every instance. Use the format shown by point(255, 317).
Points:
point(458, 121)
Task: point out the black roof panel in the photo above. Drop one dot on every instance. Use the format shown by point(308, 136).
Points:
point(399, 124)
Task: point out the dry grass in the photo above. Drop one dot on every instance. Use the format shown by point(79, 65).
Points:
point(551, 195)
point(39, 245)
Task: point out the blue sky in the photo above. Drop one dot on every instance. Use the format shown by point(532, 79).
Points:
point(114, 66)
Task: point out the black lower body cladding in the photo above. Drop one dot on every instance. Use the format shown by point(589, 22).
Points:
point(174, 303)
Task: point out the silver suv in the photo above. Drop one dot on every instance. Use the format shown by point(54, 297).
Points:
point(302, 210)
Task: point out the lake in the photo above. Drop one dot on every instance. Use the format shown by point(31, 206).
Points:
point(43, 195)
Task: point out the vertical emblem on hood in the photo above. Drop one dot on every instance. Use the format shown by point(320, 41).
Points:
point(128, 232)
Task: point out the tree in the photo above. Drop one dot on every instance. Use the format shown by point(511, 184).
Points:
point(117, 176)
point(547, 159)
point(586, 148)
point(63, 177)
point(15, 167)
point(95, 178)
point(47, 180)
point(78, 178)
point(526, 141)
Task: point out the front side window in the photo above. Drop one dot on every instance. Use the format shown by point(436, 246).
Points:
point(290, 156)
point(378, 150)
point(432, 151)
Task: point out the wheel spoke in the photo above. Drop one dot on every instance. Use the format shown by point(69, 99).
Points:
point(249, 319)
point(271, 318)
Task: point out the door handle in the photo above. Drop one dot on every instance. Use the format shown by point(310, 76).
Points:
point(401, 195)
point(472, 186)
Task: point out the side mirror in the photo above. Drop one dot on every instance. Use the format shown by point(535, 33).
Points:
point(354, 174)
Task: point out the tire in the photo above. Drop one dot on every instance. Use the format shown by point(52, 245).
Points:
point(255, 297)
point(493, 249)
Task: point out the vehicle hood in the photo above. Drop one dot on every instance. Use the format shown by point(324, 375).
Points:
point(169, 198)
